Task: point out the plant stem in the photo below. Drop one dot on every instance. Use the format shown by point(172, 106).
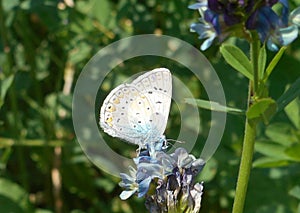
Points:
point(255, 45)
point(245, 167)
point(250, 135)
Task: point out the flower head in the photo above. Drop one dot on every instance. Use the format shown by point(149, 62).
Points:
point(173, 175)
point(223, 18)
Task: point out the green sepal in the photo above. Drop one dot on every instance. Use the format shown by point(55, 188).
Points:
point(262, 110)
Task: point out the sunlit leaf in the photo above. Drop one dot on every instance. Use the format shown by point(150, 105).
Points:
point(13, 198)
point(281, 133)
point(294, 152)
point(262, 62)
point(273, 150)
point(262, 110)
point(293, 112)
point(4, 86)
point(273, 63)
point(214, 106)
point(268, 162)
point(295, 192)
point(237, 59)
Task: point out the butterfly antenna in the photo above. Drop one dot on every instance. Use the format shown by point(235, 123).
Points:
point(175, 141)
point(172, 140)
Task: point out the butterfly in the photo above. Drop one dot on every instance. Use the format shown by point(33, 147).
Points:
point(137, 112)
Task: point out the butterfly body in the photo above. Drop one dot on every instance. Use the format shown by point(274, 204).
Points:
point(137, 112)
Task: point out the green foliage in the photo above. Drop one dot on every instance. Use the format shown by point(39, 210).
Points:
point(214, 106)
point(237, 59)
point(262, 60)
point(262, 110)
point(292, 93)
point(273, 63)
point(13, 197)
point(45, 45)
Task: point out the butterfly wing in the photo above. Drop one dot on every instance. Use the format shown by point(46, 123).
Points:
point(138, 112)
point(124, 114)
point(156, 85)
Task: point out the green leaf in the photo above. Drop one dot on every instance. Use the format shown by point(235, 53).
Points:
point(101, 10)
point(295, 192)
point(281, 133)
point(293, 152)
point(262, 59)
point(209, 171)
point(81, 50)
point(237, 59)
point(214, 106)
point(273, 63)
point(13, 198)
point(262, 110)
point(4, 86)
point(268, 162)
point(293, 112)
point(289, 95)
point(9, 5)
point(272, 150)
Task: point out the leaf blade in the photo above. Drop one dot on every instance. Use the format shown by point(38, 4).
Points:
point(289, 95)
point(213, 106)
point(273, 63)
point(236, 58)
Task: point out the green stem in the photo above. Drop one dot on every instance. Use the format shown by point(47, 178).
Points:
point(255, 45)
point(250, 135)
point(245, 167)
point(11, 142)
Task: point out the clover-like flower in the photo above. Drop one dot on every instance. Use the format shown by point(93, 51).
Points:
point(288, 34)
point(173, 175)
point(129, 183)
point(223, 18)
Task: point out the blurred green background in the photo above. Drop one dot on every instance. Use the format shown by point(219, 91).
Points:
point(44, 46)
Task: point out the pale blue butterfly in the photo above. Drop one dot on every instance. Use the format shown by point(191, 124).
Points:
point(137, 112)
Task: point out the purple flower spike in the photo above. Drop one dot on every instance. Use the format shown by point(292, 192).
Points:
point(223, 18)
point(173, 175)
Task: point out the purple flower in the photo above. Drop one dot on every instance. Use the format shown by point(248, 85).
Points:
point(129, 183)
point(223, 18)
point(173, 175)
point(286, 35)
